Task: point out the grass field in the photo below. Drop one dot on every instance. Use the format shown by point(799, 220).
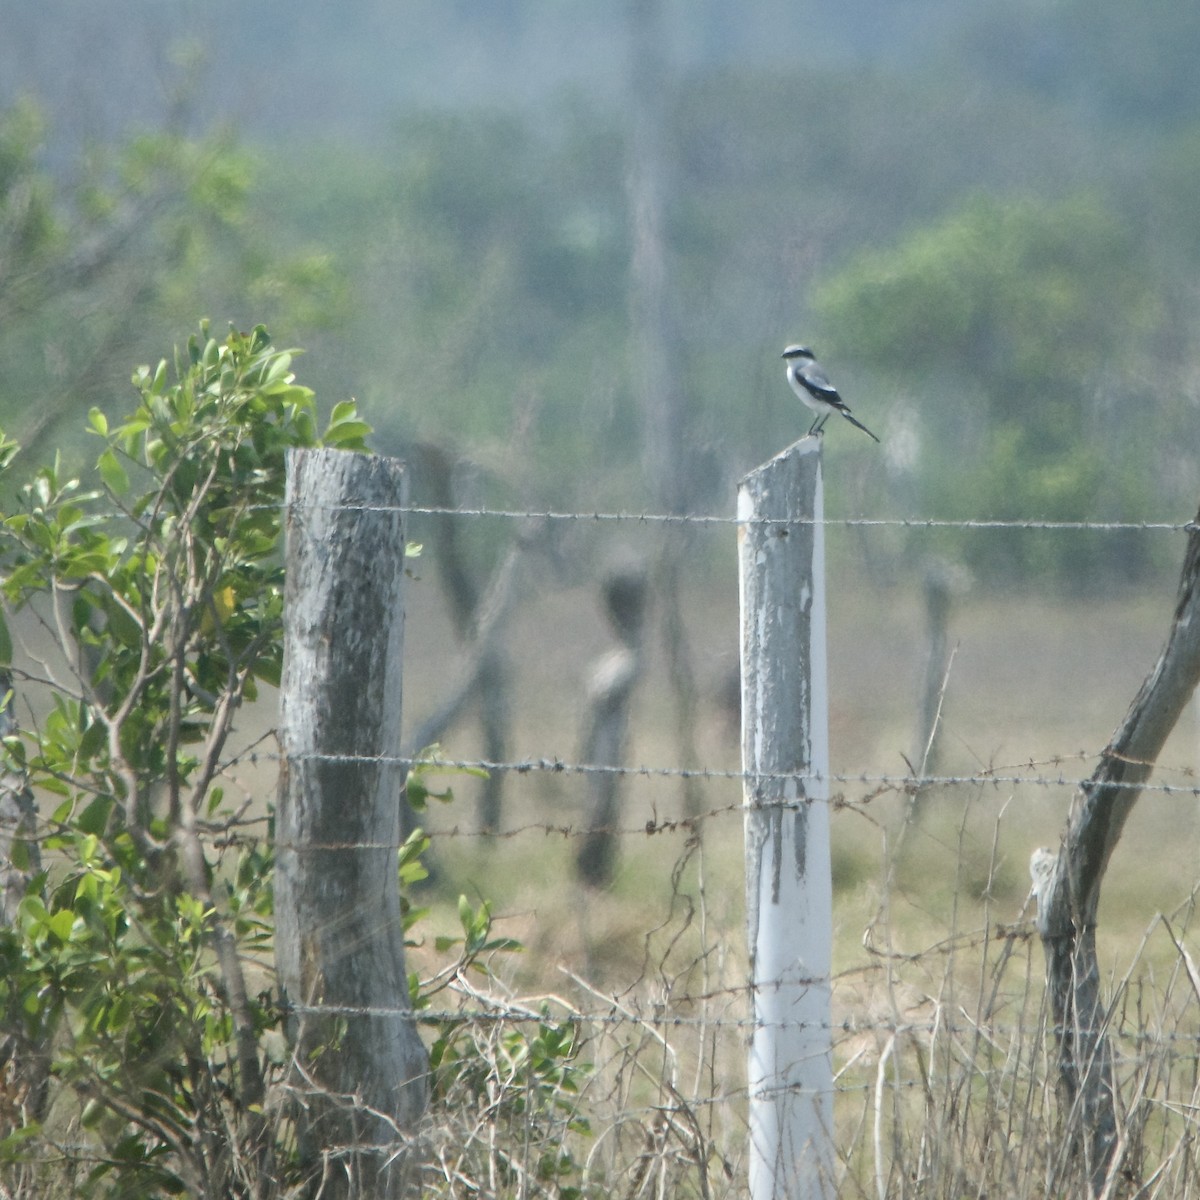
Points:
point(944, 1086)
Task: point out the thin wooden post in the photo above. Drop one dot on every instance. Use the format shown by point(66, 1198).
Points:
point(610, 688)
point(939, 586)
point(785, 757)
point(360, 1066)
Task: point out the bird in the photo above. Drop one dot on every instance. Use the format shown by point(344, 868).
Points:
point(812, 385)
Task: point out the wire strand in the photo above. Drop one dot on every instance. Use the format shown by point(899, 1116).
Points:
point(651, 518)
point(814, 781)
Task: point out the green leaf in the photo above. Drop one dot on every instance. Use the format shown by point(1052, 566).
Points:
point(10, 1147)
point(94, 819)
point(60, 924)
point(507, 944)
point(278, 369)
point(14, 750)
point(349, 434)
point(6, 646)
point(113, 474)
point(414, 915)
point(98, 421)
point(345, 428)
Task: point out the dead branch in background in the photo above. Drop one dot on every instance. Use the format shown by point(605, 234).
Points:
point(479, 608)
point(668, 423)
point(941, 580)
point(1068, 892)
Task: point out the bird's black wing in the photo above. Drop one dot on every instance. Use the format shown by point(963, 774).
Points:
point(817, 383)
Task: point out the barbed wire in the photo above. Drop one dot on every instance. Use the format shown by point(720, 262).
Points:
point(659, 518)
point(807, 780)
point(810, 788)
point(625, 516)
point(238, 830)
point(615, 1018)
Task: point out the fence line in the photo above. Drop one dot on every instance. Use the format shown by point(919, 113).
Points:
point(556, 766)
point(850, 1026)
point(223, 833)
point(625, 1014)
point(730, 519)
point(648, 518)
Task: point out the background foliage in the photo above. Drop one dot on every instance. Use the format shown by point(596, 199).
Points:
point(141, 1043)
point(983, 225)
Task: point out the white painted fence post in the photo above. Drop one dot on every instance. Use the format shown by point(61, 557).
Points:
point(788, 888)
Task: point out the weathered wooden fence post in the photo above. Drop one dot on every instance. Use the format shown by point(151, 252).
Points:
point(785, 757)
point(360, 1066)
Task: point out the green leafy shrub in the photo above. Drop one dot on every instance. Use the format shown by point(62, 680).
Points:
point(137, 975)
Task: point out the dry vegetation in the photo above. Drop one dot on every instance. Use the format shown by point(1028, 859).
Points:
point(945, 1079)
point(944, 1069)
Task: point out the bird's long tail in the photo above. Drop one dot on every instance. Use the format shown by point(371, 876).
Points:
point(855, 421)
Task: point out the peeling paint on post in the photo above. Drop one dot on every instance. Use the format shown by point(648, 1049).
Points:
point(789, 898)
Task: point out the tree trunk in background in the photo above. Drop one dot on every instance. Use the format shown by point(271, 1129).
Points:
point(668, 444)
point(657, 350)
point(1068, 888)
point(361, 1069)
point(479, 609)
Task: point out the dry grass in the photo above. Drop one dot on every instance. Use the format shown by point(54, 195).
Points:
point(945, 1083)
point(945, 1073)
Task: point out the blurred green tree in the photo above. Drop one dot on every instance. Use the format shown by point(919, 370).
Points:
point(99, 258)
point(488, 313)
point(128, 961)
point(1022, 324)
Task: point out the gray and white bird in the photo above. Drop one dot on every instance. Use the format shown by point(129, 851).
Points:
point(812, 385)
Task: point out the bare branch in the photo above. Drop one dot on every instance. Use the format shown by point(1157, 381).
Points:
point(1068, 896)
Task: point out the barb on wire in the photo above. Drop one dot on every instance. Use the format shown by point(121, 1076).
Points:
point(808, 781)
point(614, 1017)
point(650, 518)
point(240, 827)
